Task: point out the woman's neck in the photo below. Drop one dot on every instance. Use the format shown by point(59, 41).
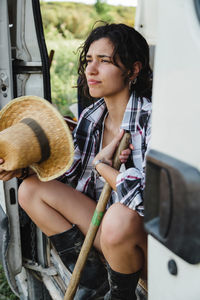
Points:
point(116, 107)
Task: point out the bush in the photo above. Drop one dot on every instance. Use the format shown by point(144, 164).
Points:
point(66, 25)
point(79, 18)
point(64, 73)
point(5, 291)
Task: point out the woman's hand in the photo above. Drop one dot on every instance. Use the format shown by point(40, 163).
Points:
point(7, 175)
point(107, 152)
point(125, 154)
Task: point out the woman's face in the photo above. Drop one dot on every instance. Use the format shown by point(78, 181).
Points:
point(104, 79)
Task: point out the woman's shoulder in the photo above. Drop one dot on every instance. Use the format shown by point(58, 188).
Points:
point(144, 103)
point(140, 104)
point(93, 111)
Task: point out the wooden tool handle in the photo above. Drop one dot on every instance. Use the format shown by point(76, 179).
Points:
point(94, 225)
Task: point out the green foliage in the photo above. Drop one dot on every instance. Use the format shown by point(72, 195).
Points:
point(5, 291)
point(102, 8)
point(66, 25)
point(76, 19)
point(64, 73)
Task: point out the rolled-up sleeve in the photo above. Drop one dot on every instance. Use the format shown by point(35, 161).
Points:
point(130, 183)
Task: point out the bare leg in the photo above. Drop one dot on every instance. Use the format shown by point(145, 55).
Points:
point(54, 206)
point(123, 240)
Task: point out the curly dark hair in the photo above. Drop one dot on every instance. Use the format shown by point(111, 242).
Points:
point(130, 46)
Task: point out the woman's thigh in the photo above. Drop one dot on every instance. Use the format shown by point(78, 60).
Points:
point(71, 204)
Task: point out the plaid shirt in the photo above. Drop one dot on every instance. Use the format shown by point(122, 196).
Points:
point(87, 137)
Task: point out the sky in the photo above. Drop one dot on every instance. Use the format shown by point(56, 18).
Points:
point(112, 2)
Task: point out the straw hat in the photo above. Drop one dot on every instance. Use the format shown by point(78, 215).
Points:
point(34, 134)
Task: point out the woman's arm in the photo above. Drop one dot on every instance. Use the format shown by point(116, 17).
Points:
point(104, 160)
point(108, 173)
point(131, 183)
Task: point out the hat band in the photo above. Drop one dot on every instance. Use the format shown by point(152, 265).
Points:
point(41, 137)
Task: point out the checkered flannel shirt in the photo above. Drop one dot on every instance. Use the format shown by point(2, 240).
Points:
point(87, 137)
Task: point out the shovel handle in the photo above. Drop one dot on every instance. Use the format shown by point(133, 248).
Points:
point(94, 225)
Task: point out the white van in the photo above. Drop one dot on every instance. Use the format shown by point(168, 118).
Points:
point(172, 197)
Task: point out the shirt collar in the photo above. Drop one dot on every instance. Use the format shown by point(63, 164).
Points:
point(97, 112)
point(128, 114)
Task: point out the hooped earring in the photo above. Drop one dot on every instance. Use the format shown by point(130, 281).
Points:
point(132, 82)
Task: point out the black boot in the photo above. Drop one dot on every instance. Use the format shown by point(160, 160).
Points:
point(94, 278)
point(122, 286)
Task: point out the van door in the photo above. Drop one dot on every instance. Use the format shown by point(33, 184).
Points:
point(24, 70)
point(172, 196)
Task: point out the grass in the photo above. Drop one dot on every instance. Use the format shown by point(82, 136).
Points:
point(5, 291)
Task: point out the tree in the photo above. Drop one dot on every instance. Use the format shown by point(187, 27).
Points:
point(101, 7)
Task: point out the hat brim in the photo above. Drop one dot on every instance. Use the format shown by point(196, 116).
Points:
point(54, 126)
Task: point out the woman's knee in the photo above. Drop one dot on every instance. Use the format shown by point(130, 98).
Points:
point(121, 225)
point(27, 190)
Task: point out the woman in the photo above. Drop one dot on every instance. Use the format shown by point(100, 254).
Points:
point(114, 66)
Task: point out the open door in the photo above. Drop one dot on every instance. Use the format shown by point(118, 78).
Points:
point(24, 70)
point(172, 196)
